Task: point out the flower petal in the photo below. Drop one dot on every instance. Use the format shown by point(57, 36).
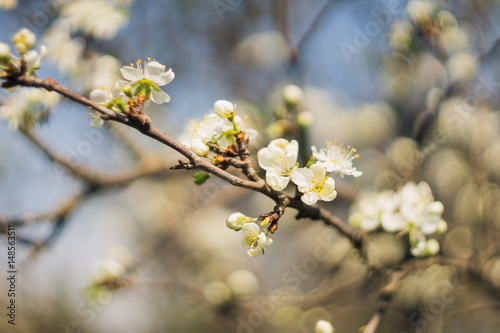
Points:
point(166, 77)
point(251, 228)
point(159, 97)
point(131, 73)
point(276, 181)
point(302, 177)
point(99, 96)
point(392, 222)
point(318, 170)
point(264, 158)
point(255, 252)
point(310, 198)
point(153, 70)
point(369, 224)
point(97, 122)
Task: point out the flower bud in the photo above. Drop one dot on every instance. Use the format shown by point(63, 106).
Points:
point(323, 326)
point(236, 221)
point(127, 90)
point(24, 40)
point(199, 147)
point(442, 227)
point(435, 207)
point(305, 119)
point(4, 54)
point(224, 108)
point(431, 247)
point(292, 95)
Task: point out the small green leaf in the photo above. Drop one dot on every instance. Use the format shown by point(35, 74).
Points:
point(201, 177)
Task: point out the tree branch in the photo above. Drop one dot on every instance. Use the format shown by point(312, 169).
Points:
point(259, 185)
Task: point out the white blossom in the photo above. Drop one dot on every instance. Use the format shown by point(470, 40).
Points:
point(379, 209)
point(98, 18)
point(411, 210)
point(24, 40)
point(279, 159)
point(152, 73)
point(27, 106)
point(254, 240)
point(103, 97)
point(34, 59)
point(210, 129)
point(314, 183)
point(337, 158)
point(418, 208)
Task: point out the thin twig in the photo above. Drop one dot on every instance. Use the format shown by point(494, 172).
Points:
point(383, 301)
point(149, 165)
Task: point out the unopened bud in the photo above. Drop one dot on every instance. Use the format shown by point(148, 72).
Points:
point(292, 95)
point(305, 119)
point(431, 247)
point(442, 227)
point(224, 108)
point(236, 221)
point(199, 147)
point(4, 54)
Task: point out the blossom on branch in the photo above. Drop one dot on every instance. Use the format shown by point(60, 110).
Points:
point(279, 159)
point(411, 210)
point(337, 158)
point(254, 240)
point(314, 183)
point(148, 78)
point(27, 106)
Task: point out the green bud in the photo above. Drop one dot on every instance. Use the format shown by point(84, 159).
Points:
point(127, 90)
point(201, 177)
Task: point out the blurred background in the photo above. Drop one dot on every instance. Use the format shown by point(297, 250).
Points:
point(412, 85)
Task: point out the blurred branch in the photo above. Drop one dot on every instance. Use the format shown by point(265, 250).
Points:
point(476, 307)
point(489, 51)
point(55, 214)
point(425, 120)
point(315, 22)
point(383, 300)
point(149, 165)
point(125, 138)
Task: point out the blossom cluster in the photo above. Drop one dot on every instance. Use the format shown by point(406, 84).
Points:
point(253, 239)
point(141, 82)
point(217, 130)
point(412, 210)
point(279, 159)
